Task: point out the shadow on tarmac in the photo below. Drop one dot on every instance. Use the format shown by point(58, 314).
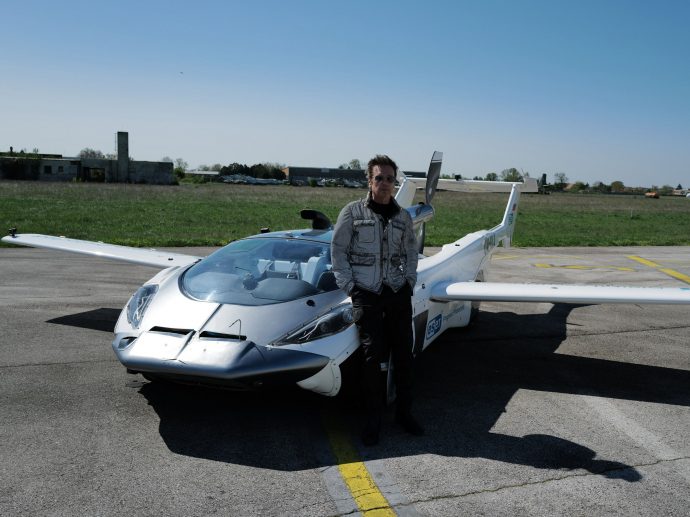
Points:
point(465, 382)
point(102, 319)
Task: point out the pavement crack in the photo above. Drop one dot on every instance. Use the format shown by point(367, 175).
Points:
point(540, 482)
point(632, 331)
point(58, 363)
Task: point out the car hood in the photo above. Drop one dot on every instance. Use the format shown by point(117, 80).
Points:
point(172, 310)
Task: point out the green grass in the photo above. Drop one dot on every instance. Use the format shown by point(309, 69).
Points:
point(214, 214)
point(569, 219)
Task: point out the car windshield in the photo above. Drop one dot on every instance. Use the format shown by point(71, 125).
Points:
point(261, 271)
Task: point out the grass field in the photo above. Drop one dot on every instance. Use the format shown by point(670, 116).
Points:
point(214, 214)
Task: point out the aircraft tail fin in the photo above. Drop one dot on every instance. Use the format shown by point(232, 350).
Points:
point(422, 212)
point(504, 231)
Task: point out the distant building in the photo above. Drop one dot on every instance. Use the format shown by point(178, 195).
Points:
point(208, 174)
point(302, 175)
point(55, 167)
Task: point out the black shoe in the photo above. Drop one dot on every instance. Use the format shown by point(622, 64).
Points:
point(370, 434)
point(408, 422)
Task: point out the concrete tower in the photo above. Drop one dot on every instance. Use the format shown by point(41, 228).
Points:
point(122, 156)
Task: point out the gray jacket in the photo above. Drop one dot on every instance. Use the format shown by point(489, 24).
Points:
point(366, 254)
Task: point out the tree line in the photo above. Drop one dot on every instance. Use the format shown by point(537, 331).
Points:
point(561, 183)
point(269, 170)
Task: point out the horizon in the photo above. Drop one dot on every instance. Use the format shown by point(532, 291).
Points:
point(594, 90)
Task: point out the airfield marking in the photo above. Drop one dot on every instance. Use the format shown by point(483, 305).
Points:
point(642, 436)
point(505, 257)
point(615, 268)
point(359, 481)
point(662, 269)
point(531, 257)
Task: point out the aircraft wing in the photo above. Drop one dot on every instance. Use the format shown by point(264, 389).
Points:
point(142, 256)
point(529, 185)
point(585, 294)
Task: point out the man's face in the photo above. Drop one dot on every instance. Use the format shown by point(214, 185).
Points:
point(382, 183)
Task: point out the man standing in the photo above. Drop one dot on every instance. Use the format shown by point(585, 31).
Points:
point(374, 255)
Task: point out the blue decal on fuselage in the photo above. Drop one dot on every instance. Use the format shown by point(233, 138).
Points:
point(434, 326)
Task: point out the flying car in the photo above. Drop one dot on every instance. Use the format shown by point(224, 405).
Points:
point(265, 310)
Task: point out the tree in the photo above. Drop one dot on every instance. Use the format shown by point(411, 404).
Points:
point(600, 186)
point(258, 170)
point(275, 170)
point(234, 168)
point(511, 174)
point(561, 178)
point(666, 190)
point(354, 164)
point(492, 176)
point(578, 187)
point(679, 187)
point(180, 168)
point(87, 152)
point(167, 159)
point(560, 181)
point(617, 186)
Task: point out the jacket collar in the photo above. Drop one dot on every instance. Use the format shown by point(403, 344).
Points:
point(368, 200)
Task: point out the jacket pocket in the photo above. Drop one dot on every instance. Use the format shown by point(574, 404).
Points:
point(363, 268)
point(362, 259)
point(365, 230)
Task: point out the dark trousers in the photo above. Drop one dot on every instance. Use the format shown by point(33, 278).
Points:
point(384, 322)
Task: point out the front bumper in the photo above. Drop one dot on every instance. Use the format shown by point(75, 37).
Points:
point(208, 360)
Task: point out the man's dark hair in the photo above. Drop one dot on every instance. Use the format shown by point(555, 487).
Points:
point(380, 159)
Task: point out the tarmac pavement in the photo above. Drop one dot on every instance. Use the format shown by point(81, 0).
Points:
point(535, 409)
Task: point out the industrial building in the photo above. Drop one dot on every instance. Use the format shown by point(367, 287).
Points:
point(55, 167)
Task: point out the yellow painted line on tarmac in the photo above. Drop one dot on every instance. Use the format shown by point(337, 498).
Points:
point(369, 499)
point(505, 257)
point(676, 274)
point(644, 262)
point(532, 257)
point(670, 272)
point(567, 266)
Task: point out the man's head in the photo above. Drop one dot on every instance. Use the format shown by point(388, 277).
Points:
point(381, 171)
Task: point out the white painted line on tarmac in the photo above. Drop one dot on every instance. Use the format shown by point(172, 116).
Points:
point(643, 437)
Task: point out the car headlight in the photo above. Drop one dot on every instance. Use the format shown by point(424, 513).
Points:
point(332, 322)
point(139, 303)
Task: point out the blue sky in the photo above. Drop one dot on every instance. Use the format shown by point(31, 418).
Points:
point(598, 90)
